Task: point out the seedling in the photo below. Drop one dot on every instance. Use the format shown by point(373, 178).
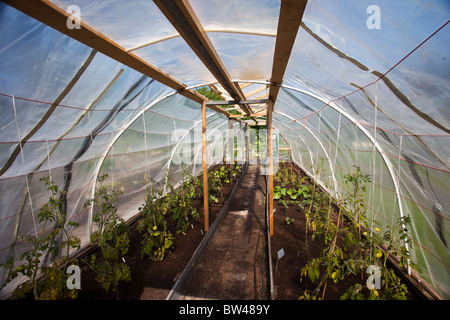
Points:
point(289, 220)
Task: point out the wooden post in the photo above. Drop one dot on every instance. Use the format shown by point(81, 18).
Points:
point(230, 147)
point(269, 133)
point(205, 169)
point(248, 143)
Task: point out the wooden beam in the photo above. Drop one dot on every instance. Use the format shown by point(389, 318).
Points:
point(216, 90)
point(255, 123)
point(248, 142)
point(239, 102)
point(291, 12)
point(230, 141)
point(205, 170)
point(185, 21)
point(264, 87)
point(269, 137)
point(245, 85)
point(56, 18)
point(264, 96)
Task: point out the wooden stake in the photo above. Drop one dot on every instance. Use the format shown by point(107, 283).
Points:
point(248, 142)
point(269, 133)
point(205, 169)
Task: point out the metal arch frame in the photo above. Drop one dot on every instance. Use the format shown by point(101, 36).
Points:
point(310, 156)
point(108, 149)
point(386, 161)
point(333, 105)
point(173, 36)
point(196, 123)
point(124, 128)
point(379, 149)
point(321, 145)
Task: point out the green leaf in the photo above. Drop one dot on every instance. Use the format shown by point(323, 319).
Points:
point(317, 272)
point(312, 274)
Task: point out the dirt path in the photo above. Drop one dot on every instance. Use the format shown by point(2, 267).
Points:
point(233, 265)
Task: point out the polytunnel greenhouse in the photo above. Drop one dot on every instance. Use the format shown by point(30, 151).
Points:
point(241, 149)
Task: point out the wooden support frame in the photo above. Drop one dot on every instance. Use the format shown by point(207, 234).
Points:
point(185, 21)
point(291, 13)
point(269, 139)
point(205, 170)
point(239, 102)
point(247, 130)
point(56, 18)
point(252, 93)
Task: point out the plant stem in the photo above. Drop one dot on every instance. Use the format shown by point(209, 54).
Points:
point(36, 268)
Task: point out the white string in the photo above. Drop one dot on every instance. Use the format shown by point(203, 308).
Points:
point(398, 183)
point(147, 169)
point(398, 169)
point(23, 164)
point(374, 159)
point(356, 143)
point(91, 211)
point(337, 146)
point(48, 160)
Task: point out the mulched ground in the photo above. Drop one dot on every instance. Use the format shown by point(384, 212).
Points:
point(153, 280)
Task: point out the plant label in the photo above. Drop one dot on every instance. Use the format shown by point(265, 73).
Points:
point(280, 253)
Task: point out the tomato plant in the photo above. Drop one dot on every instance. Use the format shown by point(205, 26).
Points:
point(183, 201)
point(111, 236)
point(156, 239)
point(360, 249)
point(53, 283)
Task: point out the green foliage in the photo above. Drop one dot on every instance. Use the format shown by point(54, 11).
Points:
point(52, 285)
point(184, 196)
point(216, 179)
point(209, 93)
point(112, 238)
point(355, 203)
point(361, 248)
point(289, 220)
point(156, 239)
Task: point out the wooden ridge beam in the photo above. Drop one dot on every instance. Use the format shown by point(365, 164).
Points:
point(291, 13)
point(264, 87)
point(240, 102)
point(183, 18)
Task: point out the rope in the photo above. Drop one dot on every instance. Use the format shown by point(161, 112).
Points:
point(23, 165)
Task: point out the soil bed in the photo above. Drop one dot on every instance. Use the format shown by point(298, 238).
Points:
point(291, 238)
point(153, 280)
